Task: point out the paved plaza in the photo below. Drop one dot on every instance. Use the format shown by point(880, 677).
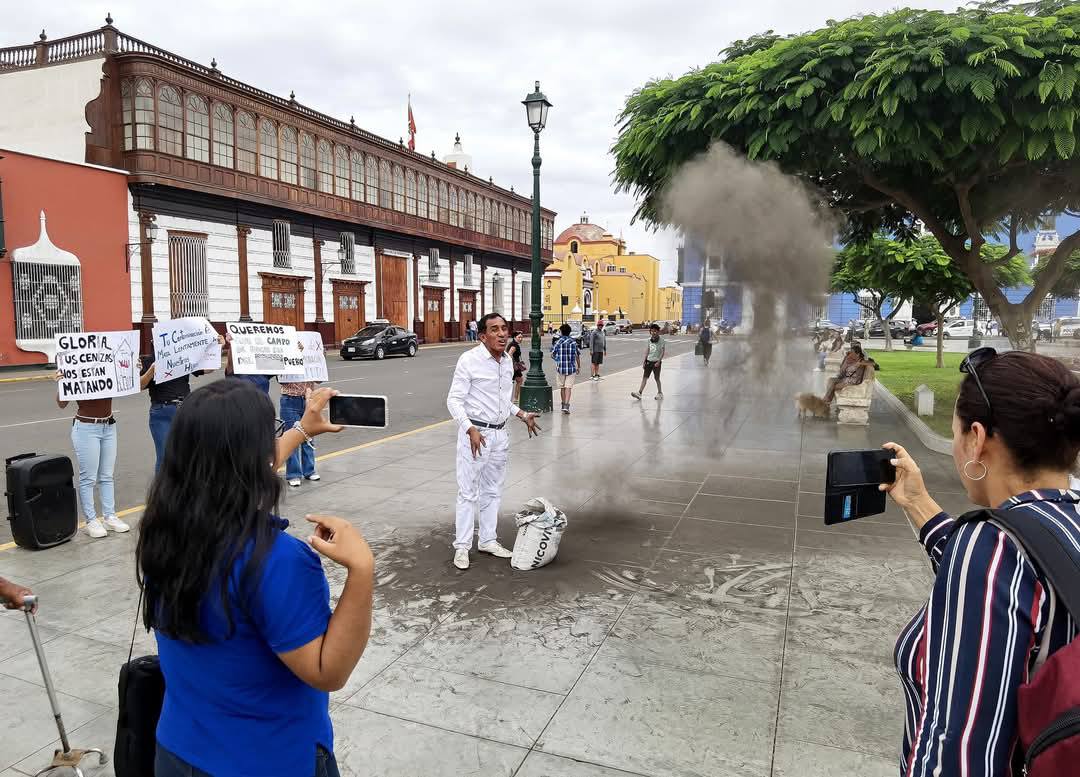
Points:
point(700, 620)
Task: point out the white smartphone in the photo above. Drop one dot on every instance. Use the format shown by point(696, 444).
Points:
point(359, 410)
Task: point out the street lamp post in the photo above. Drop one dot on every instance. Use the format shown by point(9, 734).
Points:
point(535, 392)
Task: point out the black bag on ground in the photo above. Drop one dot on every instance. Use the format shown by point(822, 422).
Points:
point(42, 506)
point(142, 693)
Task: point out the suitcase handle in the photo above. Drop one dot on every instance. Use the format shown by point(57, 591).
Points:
point(20, 456)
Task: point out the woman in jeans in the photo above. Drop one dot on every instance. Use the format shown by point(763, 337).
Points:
point(291, 404)
point(248, 643)
point(93, 436)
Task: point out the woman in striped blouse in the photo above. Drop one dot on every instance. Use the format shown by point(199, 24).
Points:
point(992, 618)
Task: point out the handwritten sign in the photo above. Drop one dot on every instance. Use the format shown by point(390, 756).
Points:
point(97, 365)
point(311, 346)
point(183, 346)
point(264, 349)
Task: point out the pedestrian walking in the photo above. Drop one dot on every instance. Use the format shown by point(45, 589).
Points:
point(480, 402)
point(705, 341)
point(291, 404)
point(514, 349)
point(567, 357)
point(598, 350)
point(654, 357)
point(470, 330)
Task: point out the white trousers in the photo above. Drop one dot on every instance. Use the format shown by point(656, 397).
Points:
point(480, 482)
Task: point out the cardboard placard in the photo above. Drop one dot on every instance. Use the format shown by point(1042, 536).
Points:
point(311, 347)
point(264, 349)
point(97, 365)
point(183, 346)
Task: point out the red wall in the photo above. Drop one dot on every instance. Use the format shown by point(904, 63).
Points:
point(86, 210)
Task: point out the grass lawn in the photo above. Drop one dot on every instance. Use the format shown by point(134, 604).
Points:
point(903, 371)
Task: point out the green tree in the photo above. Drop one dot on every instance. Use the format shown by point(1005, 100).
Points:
point(964, 121)
point(869, 272)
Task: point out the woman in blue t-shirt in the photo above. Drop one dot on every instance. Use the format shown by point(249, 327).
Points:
point(249, 646)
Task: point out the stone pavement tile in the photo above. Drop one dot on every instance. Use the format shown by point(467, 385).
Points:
point(543, 765)
point(89, 594)
point(840, 700)
point(28, 720)
point(750, 488)
point(803, 759)
point(696, 535)
point(742, 462)
point(402, 477)
point(871, 526)
point(468, 705)
point(355, 463)
point(15, 634)
point(830, 576)
point(767, 438)
point(80, 667)
point(618, 502)
point(867, 544)
point(864, 624)
point(99, 732)
point(744, 642)
point(116, 630)
point(660, 721)
point(654, 488)
point(610, 535)
point(368, 744)
point(344, 499)
point(734, 509)
point(721, 581)
point(33, 566)
point(686, 463)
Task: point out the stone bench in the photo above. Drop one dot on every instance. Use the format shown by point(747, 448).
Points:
point(853, 402)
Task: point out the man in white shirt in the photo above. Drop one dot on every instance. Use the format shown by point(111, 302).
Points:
point(480, 400)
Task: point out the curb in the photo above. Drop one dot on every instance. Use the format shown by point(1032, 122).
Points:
point(27, 379)
point(926, 435)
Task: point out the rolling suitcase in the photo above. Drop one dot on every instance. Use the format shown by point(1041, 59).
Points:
point(42, 506)
point(65, 758)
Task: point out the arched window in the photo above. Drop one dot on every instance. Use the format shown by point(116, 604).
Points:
point(127, 105)
point(357, 175)
point(485, 218)
point(246, 142)
point(454, 220)
point(371, 185)
point(444, 203)
point(410, 192)
point(223, 135)
point(197, 129)
point(422, 197)
point(144, 114)
point(170, 121)
point(326, 167)
point(307, 160)
point(528, 229)
point(341, 171)
point(470, 211)
point(502, 222)
point(463, 208)
point(268, 149)
point(289, 155)
point(399, 189)
point(573, 246)
point(386, 184)
point(433, 200)
point(522, 217)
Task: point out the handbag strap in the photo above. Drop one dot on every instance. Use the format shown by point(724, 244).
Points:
point(135, 625)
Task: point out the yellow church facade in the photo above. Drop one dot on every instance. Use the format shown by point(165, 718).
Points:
point(592, 276)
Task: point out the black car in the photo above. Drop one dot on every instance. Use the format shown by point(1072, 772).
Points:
point(896, 330)
point(378, 340)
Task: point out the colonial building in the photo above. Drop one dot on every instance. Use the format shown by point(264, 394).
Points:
point(245, 205)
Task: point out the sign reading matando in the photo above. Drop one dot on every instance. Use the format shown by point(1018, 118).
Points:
point(97, 365)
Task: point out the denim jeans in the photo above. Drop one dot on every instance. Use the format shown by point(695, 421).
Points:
point(302, 461)
point(161, 418)
point(168, 765)
point(95, 451)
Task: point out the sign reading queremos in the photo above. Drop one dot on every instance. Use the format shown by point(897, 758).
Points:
point(264, 349)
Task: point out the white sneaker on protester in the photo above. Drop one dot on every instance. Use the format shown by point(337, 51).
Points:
point(461, 558)
point(495, 549)
point(315, 477)
point(96, 529)
point(294, 483)
point(660, 395)
point(635, 395)
point(112, 523)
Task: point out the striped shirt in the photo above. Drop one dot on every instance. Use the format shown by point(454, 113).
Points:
point(991, 621)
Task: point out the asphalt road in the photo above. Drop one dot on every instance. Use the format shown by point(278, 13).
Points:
point(416, 388)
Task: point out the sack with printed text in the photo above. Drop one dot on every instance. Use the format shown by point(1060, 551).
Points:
point(540, 530)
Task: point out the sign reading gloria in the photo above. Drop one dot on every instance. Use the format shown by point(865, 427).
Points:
point(311, 346)
point(264, 349)
point(97, 365)
point(183, 346)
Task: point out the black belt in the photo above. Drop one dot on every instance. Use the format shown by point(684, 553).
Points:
point(176, 402)
point(88, 420)
point(482, 425)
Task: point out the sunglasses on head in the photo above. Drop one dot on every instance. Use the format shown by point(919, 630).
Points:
point(970, 366)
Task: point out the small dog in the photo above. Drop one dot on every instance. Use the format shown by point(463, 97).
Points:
point(815, 406)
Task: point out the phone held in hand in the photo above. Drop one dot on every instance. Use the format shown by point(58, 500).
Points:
point(851, 483)
point(359, 410)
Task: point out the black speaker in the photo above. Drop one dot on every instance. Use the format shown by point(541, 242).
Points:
point(42, 506)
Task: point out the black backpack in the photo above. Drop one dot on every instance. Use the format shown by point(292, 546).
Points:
point(142, 693)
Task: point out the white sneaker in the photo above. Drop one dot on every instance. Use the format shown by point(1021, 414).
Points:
point(315, 478)
point(461, 558)
point(660, 395)
point(112, 523)
point(495, 549)
point(635, 395)
point(96, 529)
point(294, 483)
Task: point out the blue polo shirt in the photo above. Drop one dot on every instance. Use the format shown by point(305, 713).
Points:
point(232, 708)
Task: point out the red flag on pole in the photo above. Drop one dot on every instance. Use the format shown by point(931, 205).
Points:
point(412, 127)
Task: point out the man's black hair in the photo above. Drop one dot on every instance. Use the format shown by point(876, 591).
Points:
point(564, 330)
point(654, 326)
point(482, 324)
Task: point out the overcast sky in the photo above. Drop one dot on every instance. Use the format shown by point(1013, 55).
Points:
point(468, 64)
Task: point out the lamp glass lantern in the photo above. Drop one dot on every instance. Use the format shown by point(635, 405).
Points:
point(536, 109)
point(151, 231)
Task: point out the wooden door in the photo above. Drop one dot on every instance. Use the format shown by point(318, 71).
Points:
point(348, 309)
point(466, 310)
point(391, 277)
point(433, 315)
point(283, 300)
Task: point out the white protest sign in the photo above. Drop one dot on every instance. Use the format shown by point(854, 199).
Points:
point(97, 365)
point(183, 346)
point(311, 346)
point(264, 349)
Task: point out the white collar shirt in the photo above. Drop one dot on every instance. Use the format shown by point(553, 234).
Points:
point(482, 388)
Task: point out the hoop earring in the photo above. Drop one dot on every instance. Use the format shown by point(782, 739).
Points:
point(970, 462)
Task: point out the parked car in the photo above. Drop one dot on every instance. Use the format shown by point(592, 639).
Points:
point(962, 327)
point(1067, 327)
point(624, 325)
point(897, 330)
point(577, 331)
point(927, 329)
point(611, 328)
point(377, 340)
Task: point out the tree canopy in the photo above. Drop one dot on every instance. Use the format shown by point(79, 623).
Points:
point(965, 122)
